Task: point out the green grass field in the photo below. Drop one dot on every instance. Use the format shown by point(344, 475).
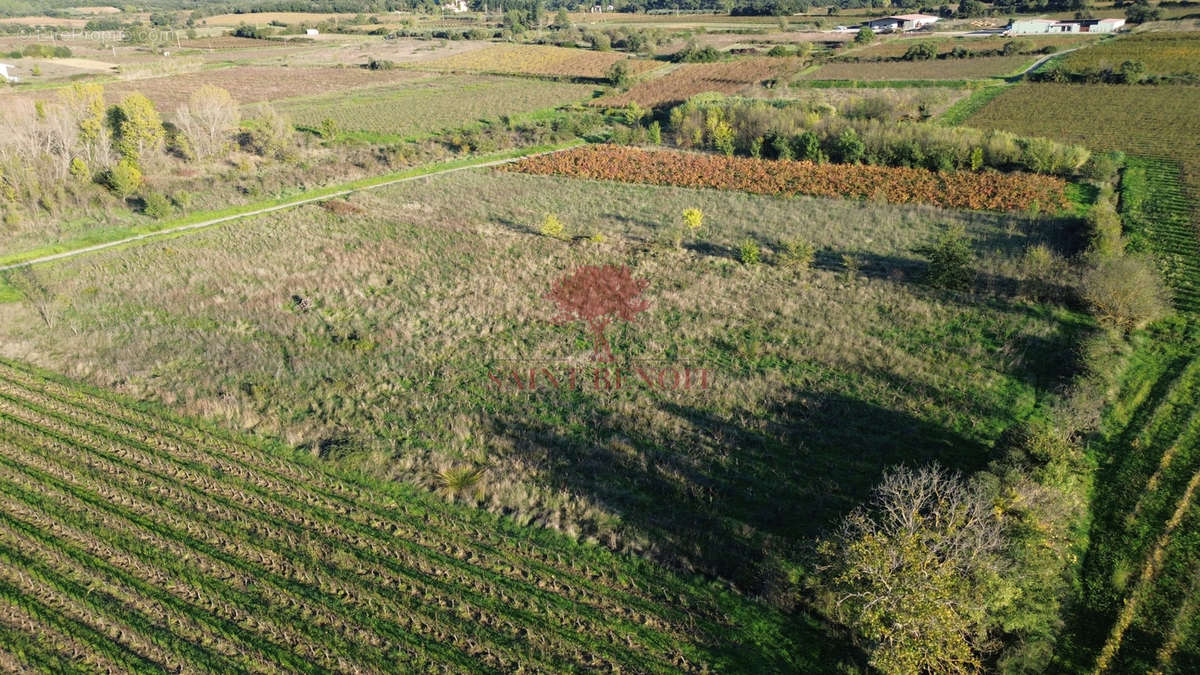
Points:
point(1136, 610)
point(138, 541)
point(368, 338)
point(412, 110)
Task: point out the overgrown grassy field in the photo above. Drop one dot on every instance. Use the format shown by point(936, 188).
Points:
point(431, 104)
point(685, 81)
point(1150, 121)
point(539, 60)
point(1166, 53)
point(368, 338)
point(936, 69)
point(138, 541)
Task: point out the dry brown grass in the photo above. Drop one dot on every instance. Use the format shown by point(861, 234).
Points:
point(687, 80)
point(539, 60)
point(264, 18)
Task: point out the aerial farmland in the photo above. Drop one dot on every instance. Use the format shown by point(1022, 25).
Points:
point(556, 337)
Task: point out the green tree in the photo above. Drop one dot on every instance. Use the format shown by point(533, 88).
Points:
point(137, 127)
point(562, 19)
point(865, 36)
point(848, 148)
point(912, 572)
point(618, 75)
point(125, 178)
point(922, 51)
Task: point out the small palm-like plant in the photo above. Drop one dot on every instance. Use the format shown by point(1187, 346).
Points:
point(798, 255)
point(750, 252)
point(459, 479)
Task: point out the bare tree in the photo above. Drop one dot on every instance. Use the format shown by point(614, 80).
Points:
point(208, 121)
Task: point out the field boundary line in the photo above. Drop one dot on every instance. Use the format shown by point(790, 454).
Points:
point(324, 194)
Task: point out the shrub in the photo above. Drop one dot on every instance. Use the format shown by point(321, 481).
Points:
point(618, 75)
point(778, 51)
point(329, 128)
point(1125, 292)
point(1104, 167)
point(693, 219)
point(807, 147)
point(865, 36)
point(922, 51)
point(1105, 228)
point(552, 227)
point(156, 205)
point(1041, 268)
point(654, 133)
point(797, 255)
point(848, 148)
point(125, 178)
point(950, 259)
point(79, 169)
point(749, 252)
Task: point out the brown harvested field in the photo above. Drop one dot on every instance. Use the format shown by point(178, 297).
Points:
point(45, 21)
point(936, 69)
point(229, 42)
point(263, 18)
point(687, 80)
point(539, 60)
point(247, 84)
point(253, 84)
point(401, 50)
point(96, 9)
point(897, 47)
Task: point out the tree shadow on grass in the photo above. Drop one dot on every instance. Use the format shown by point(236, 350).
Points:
point(734, 496)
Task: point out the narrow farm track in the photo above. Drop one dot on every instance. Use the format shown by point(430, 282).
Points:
point(133, 542)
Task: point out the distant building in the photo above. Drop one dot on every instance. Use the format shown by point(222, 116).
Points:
point(456, 6)
point(1041, 26)
point(4, 68)
point(312, 31)
point(901, 22)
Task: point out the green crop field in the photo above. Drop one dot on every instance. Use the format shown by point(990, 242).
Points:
point(1149, 121)
point(1167, 53)
point(936, 69)
point(431, 105)
point(133, 540)
point(368, 338)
